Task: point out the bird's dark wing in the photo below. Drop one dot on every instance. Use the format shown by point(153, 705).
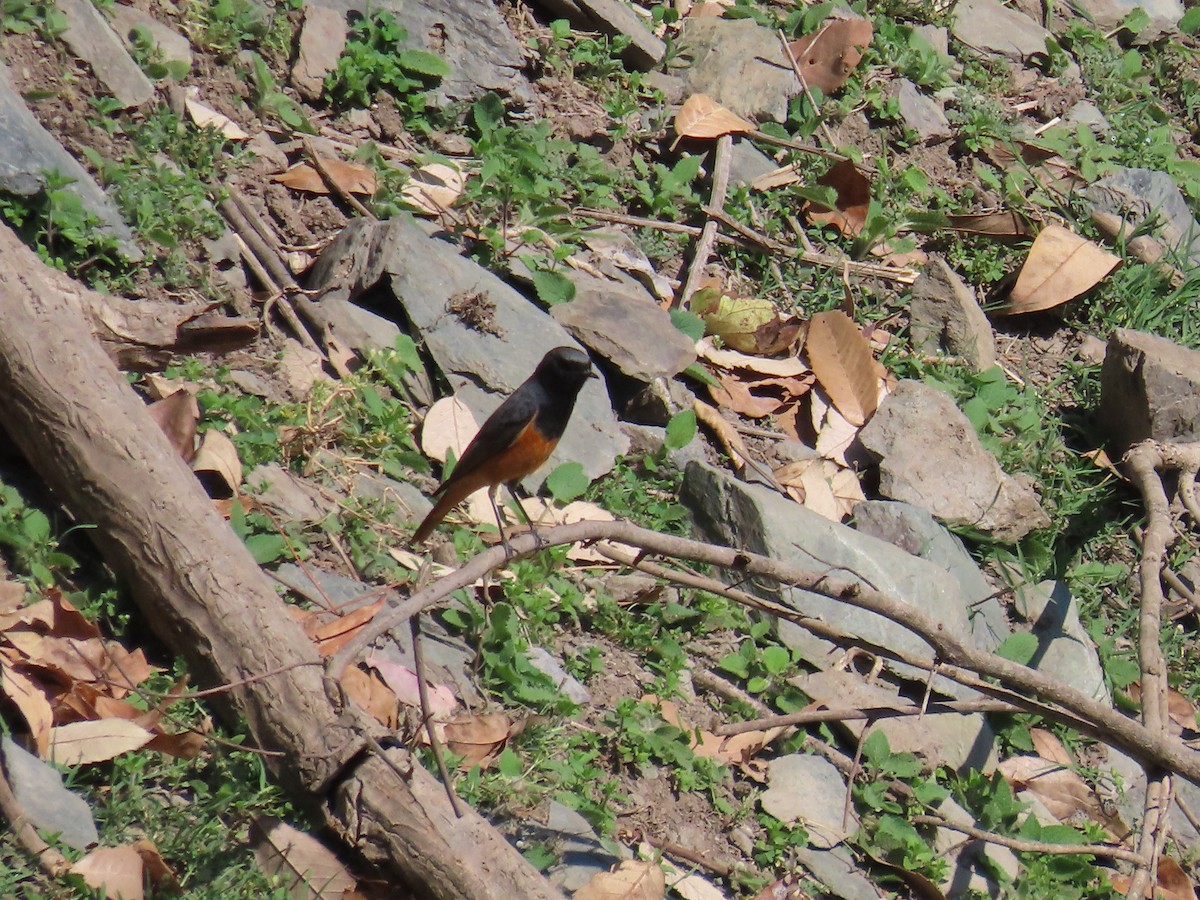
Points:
point(498, 432)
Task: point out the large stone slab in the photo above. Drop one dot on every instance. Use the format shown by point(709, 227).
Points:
point(1065, 650)
point(945, 317)
point(740, 64)
point(992, 27)
point(27, 151)
point(931, 457)
point(1149, 388)
point(472, 38)
point(93, 40)
point(760, 520)
point(483, 363)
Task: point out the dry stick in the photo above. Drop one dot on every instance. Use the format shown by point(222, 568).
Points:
point(1143, 462)
point(750, 239)
point(787, 48)
point(270, 260)
point(1022, 846)
point(835, 635)
point(718, 867)
point(846, 714)
point(323, 170)
point(958, 659)
point(722, 158)
point(435, 743)
point(49, 860)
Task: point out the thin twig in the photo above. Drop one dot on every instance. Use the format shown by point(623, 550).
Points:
point(718, 867)
point(722, 158)
point(787, 48)
point(1104, 851)
point(849, 714)
point(334, 185)
point(435, 743)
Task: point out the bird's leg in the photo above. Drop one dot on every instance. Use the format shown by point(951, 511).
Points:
point(524, 515)
point(508, 550)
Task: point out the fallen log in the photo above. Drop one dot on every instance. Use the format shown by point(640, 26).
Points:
point(86, 433)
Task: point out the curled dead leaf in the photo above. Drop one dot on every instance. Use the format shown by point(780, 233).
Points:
point(828, 56)
point(1061, 265)
point(702, 117)
point(351, 178)
point(853, 191)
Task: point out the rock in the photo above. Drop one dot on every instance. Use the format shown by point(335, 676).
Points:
point(92, 39)
point(616, 255)
point(931, 457)
point(992, 27)
point(289, 497)
point(629, 330)
point(1139, 195)
point(579, 849)
point(740, 65)
point(173, 46)
point(541, 660)
point(27, 151)
point(960, 741)
point(1108, 14)
point(808, 789)
point(472, 38)
point(747, 163)
point(612, 17)
point(322, 40)
point(51, 807)
point(945, 317)
point(1087, 113)
point(1149, 388)
point(759, 519)
point(915, 531)
point(484, 363)
point(1065, 649)
point(405, 499)
point(922, 114)
point(837, 871)
point(969, 873)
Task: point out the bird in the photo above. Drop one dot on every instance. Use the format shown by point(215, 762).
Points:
point(516, 439)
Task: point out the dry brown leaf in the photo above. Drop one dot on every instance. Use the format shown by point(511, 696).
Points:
point(217, 465)
point(79, 743)
point(841, 358)
point(787, 367)
point(12, 597)
point(403, 683)
point(1003, 223)
point(31, 698)
point(1173, 883)
point(822, 486)
point(66, 620)
point(828, 56)
point(1180, 709)
point(781, 177)
point(434, 188)
point(1048, 746)
point(702, 117)
point(853, 191)
point(306, 867)
point(177, 415)
point(726, 433)
point(448, 427)
point(735, 394)
point(119, 871)
point(1061, 790)
point(631, 880)
point(1061, 265)
point(182, 745)
point(477, 739)
point(332, 636)
point(368, 691)
point(351, 178)
point(154, 866)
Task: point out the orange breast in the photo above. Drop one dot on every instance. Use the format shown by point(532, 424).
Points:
point(530, 449)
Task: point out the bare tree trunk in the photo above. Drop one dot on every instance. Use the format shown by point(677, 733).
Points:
point(90, 438)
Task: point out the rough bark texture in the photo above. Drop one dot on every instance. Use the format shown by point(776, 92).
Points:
point(90, 438)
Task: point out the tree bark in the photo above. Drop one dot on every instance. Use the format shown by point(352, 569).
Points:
point(87, 434)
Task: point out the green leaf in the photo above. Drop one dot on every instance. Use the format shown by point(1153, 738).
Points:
point(509, 764)
point(488, 113)
point(1019, 647)
point(776, 659)
point(266, 548)
point(567, 482)
point(422, 63)
point(757, 685)
point(688, 322)
point(1121, 671)
point(681, 430)
point(735, 664)
point(1190, 23)
point(553, 288)
point(406, 353)
point(701, 374)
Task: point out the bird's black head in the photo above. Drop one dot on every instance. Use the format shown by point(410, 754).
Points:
point(566, 367)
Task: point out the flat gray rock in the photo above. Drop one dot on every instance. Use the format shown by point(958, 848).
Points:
point(1108, 14)
point(612, 17)
point(915, 531)
point(50, 806)
point(93, 40)
point(969, 873)
point(288, 496)
point(945, 317)
point(922, 113)
point(472, 38)
point(931, 457)
point(483, 364)
point(625, 327)
point(1149, 388)
point(808, 789)
point(322, 40)
point(173, 45)
point(27, 150)
point(1065, 649)
point(582, 855)
point(758, 519)
point(837, 871)
point(992, 27)
point(739, 64)
point(1139, 195)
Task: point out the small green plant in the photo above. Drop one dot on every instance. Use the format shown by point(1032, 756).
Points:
point(26, 533)
point(376, 58)
point(269, 100)
point(66, 235)
point(30, 16)
point(223, 27)
point(147, 54)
